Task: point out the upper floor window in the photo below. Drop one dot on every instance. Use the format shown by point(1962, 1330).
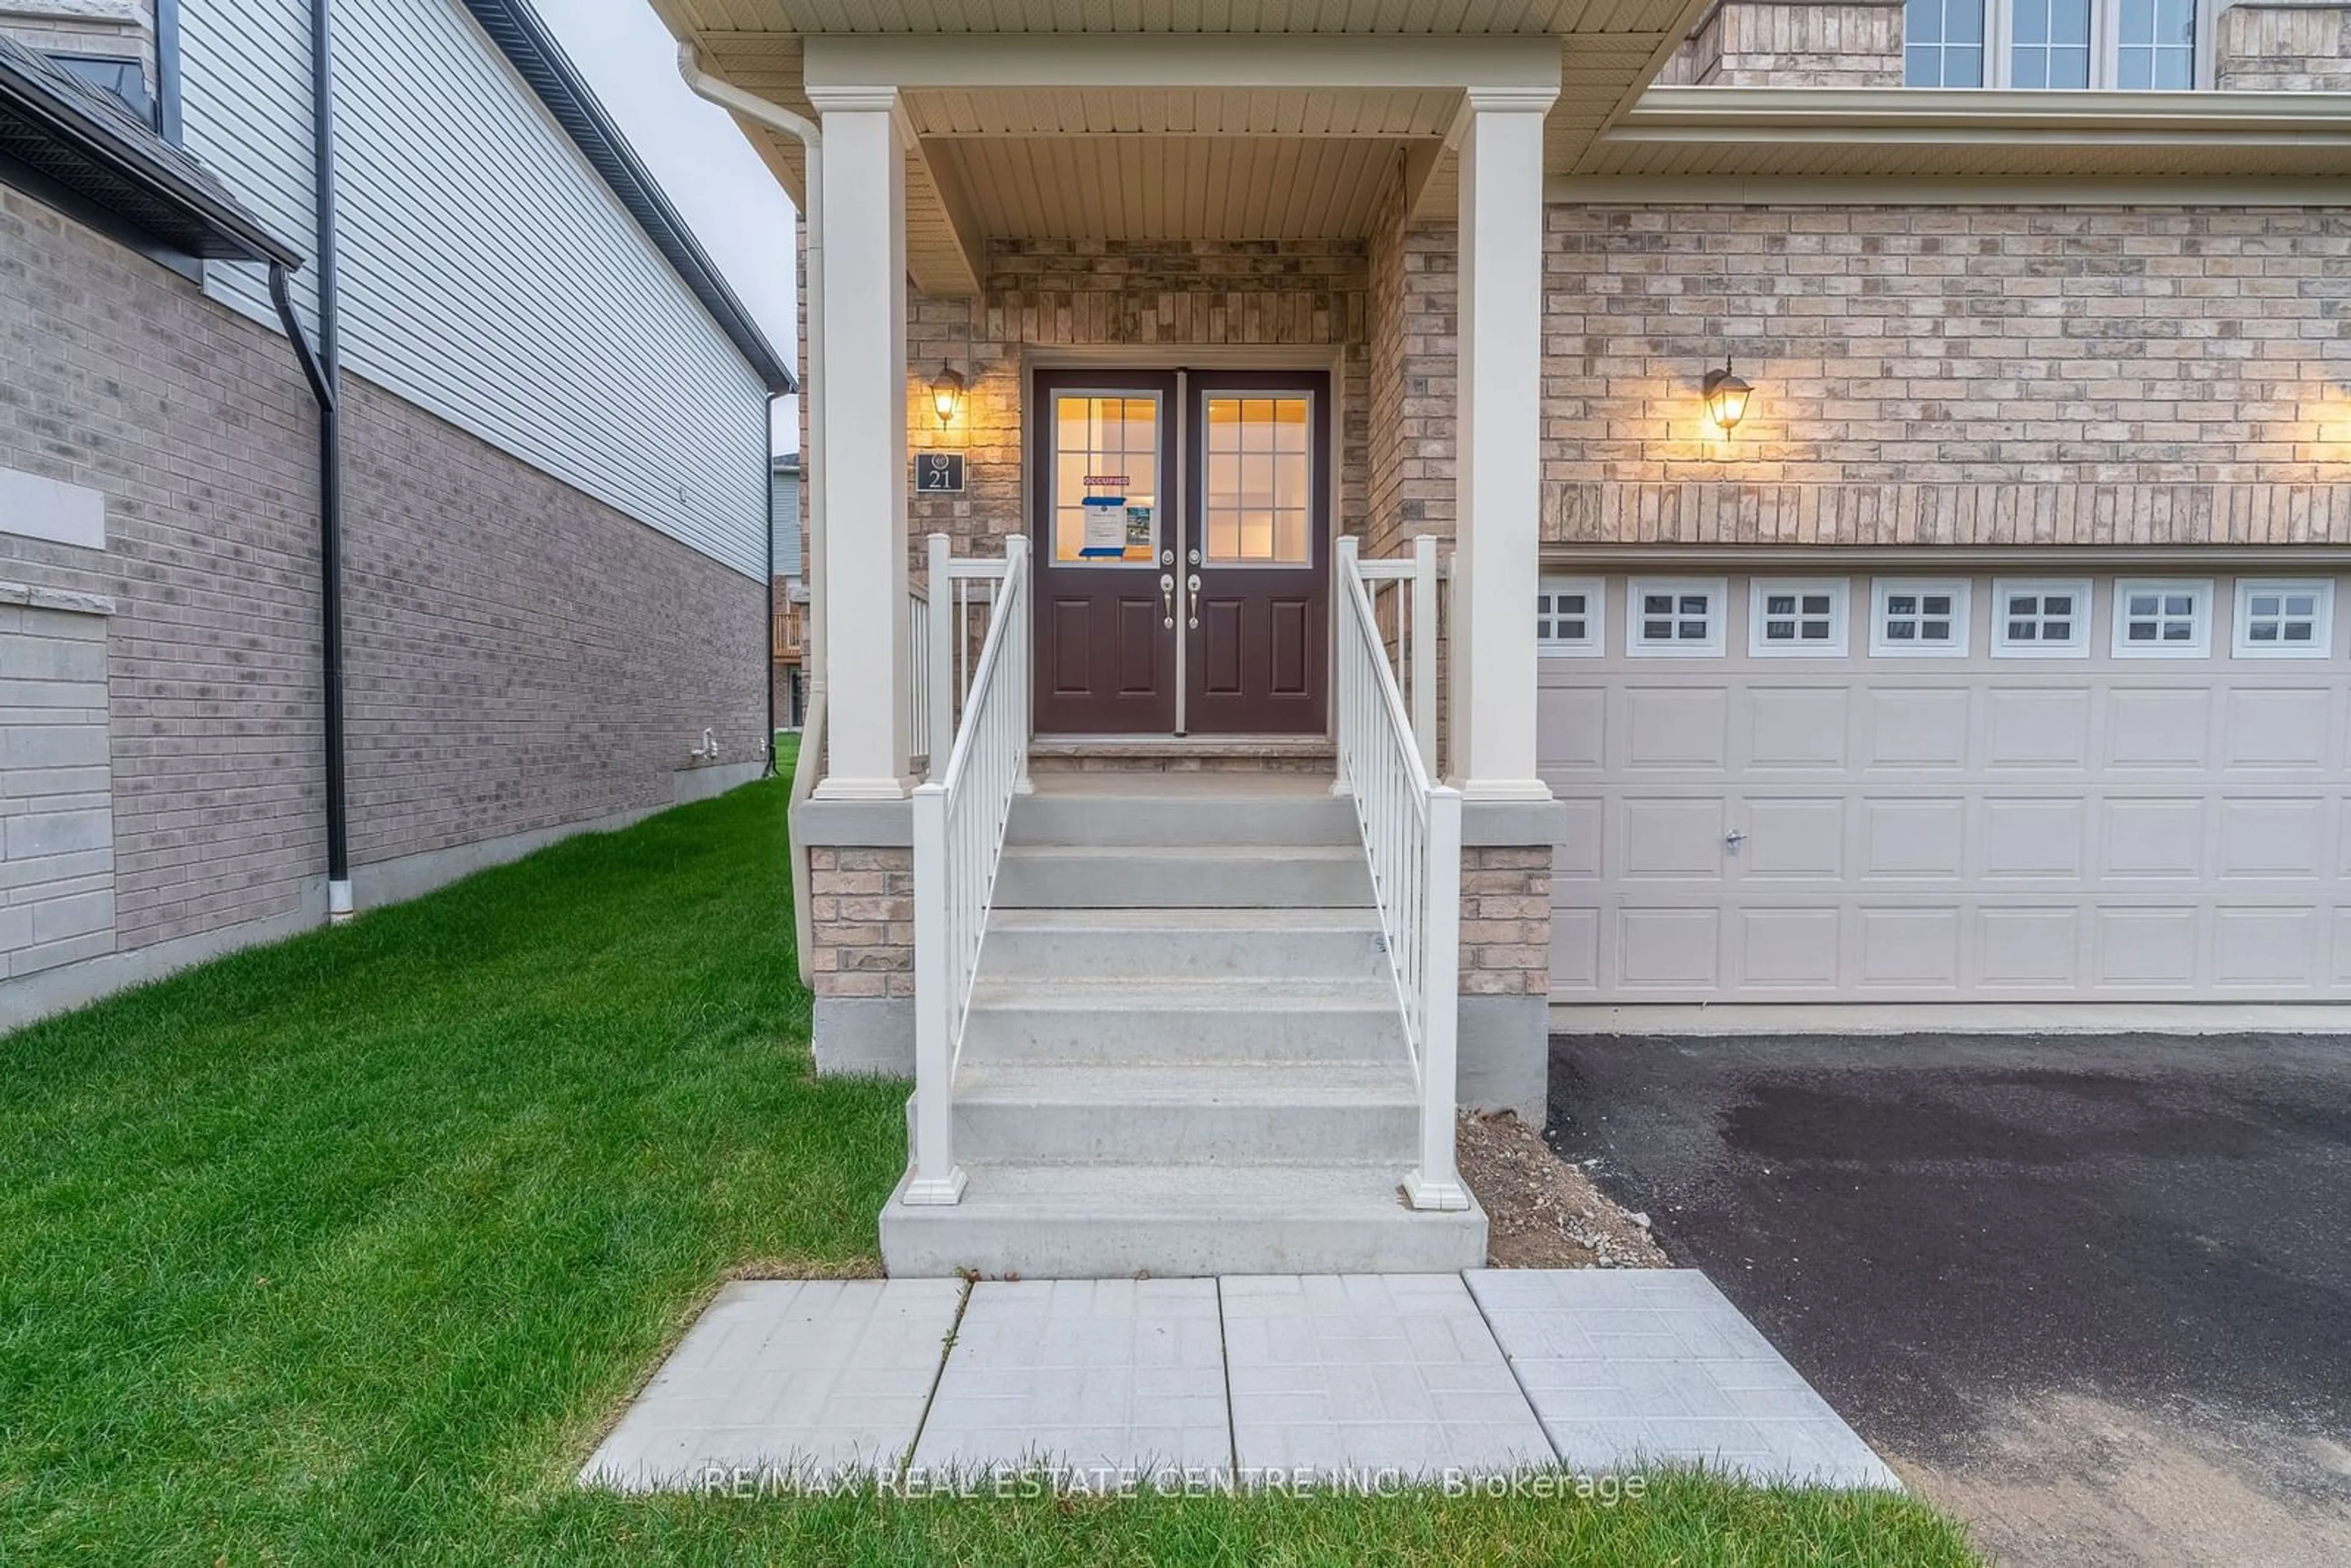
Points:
point(2155, 43)
point(1943, 43)
point(2140, 44)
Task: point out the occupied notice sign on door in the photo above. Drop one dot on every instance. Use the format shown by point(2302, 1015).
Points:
point(1118, 527)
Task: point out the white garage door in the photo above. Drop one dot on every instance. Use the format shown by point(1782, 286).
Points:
point(1932, 788)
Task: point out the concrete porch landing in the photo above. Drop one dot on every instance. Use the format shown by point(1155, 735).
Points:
point(1353, 1380)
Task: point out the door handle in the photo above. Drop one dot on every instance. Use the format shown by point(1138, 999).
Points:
point(1734, 838)
point(1192, 602)
point(1167, 598)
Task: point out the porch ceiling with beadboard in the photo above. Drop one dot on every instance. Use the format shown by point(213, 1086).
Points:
point(1289, 137)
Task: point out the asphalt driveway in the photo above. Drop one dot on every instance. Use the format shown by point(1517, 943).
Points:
point(2093, 1294)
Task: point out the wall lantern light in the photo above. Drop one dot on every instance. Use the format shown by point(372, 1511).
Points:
point(946, 394)
point(1726, 397)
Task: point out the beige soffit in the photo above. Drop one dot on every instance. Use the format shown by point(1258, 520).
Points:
point(1012, 139)
point(1693, 132)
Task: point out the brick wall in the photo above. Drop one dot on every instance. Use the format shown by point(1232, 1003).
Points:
point(1792, 43)
point(2297, 46)
point(1414, 271)
point(862, 917)
point(56, 827)
point(520, 656)
point(197, 426)
point(1948, 374)
point(1506, 920)
point(1047, 294)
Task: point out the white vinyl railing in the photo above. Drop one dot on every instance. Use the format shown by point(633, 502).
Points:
point(960, 812)
point(1412, 836)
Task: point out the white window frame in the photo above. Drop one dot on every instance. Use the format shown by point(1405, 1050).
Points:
point(1840, 596)
point(2197, 646)
point(1962, 594)
point(2041, 587)
point(2321, 642)
point(1718, 590)
point(2105, 45)
point(1594, 641)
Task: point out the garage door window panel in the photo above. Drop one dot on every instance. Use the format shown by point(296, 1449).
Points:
point(2284, 618)
point(1790, 618)
point(2041, 619)
point(1676, 618)
point(2162, 618)
point(1919, 618)
point(1571, 618)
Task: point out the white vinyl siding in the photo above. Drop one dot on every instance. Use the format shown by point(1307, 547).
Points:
point(489, 273)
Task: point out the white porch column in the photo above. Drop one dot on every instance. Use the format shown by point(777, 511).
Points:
point(863, 464)
point(1498, 459)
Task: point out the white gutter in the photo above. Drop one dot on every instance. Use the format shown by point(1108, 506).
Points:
point(751, 107)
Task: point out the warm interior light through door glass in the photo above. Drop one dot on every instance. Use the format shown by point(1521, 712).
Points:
point(1257, 499)
point(1105, 478)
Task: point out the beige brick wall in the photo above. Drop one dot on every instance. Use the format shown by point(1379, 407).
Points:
point(1792, 43)
point(1046, 294)
point(1413, 286)
point(2297, 46)
point(1948, 374)
point(1506, 920)
point(862, 919)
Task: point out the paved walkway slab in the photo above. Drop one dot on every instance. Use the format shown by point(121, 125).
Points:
point(809, 1378)
point(1334, 1374)
point(1101, 1379)
point(1628, 1366)
point(1360, 1381)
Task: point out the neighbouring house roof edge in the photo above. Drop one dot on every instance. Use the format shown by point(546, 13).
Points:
point(72, 135)
point(536, 56)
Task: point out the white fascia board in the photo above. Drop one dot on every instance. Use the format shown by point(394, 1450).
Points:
point(1203, 60)
point(1964, 115)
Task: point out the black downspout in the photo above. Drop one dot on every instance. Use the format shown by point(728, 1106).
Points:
point(325, 370)
point(768, 636)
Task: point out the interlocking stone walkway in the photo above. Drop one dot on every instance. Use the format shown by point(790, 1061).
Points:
point(1265, 1379)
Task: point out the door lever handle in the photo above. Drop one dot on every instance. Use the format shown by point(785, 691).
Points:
point(1167, 599)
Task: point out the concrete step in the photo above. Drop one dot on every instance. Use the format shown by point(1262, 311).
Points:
point(1111, 1221)
point(1273, 1113)
point(1183, 876)
point(1177, 943)
point(1181, 817)
point(1190, 1020)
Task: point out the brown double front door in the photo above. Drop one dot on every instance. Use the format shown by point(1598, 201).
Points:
point(1182, 528)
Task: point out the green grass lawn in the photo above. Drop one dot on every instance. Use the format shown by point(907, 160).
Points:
point(344, 1251)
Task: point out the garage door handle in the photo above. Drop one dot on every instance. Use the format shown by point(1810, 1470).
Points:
point(1734, 838)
